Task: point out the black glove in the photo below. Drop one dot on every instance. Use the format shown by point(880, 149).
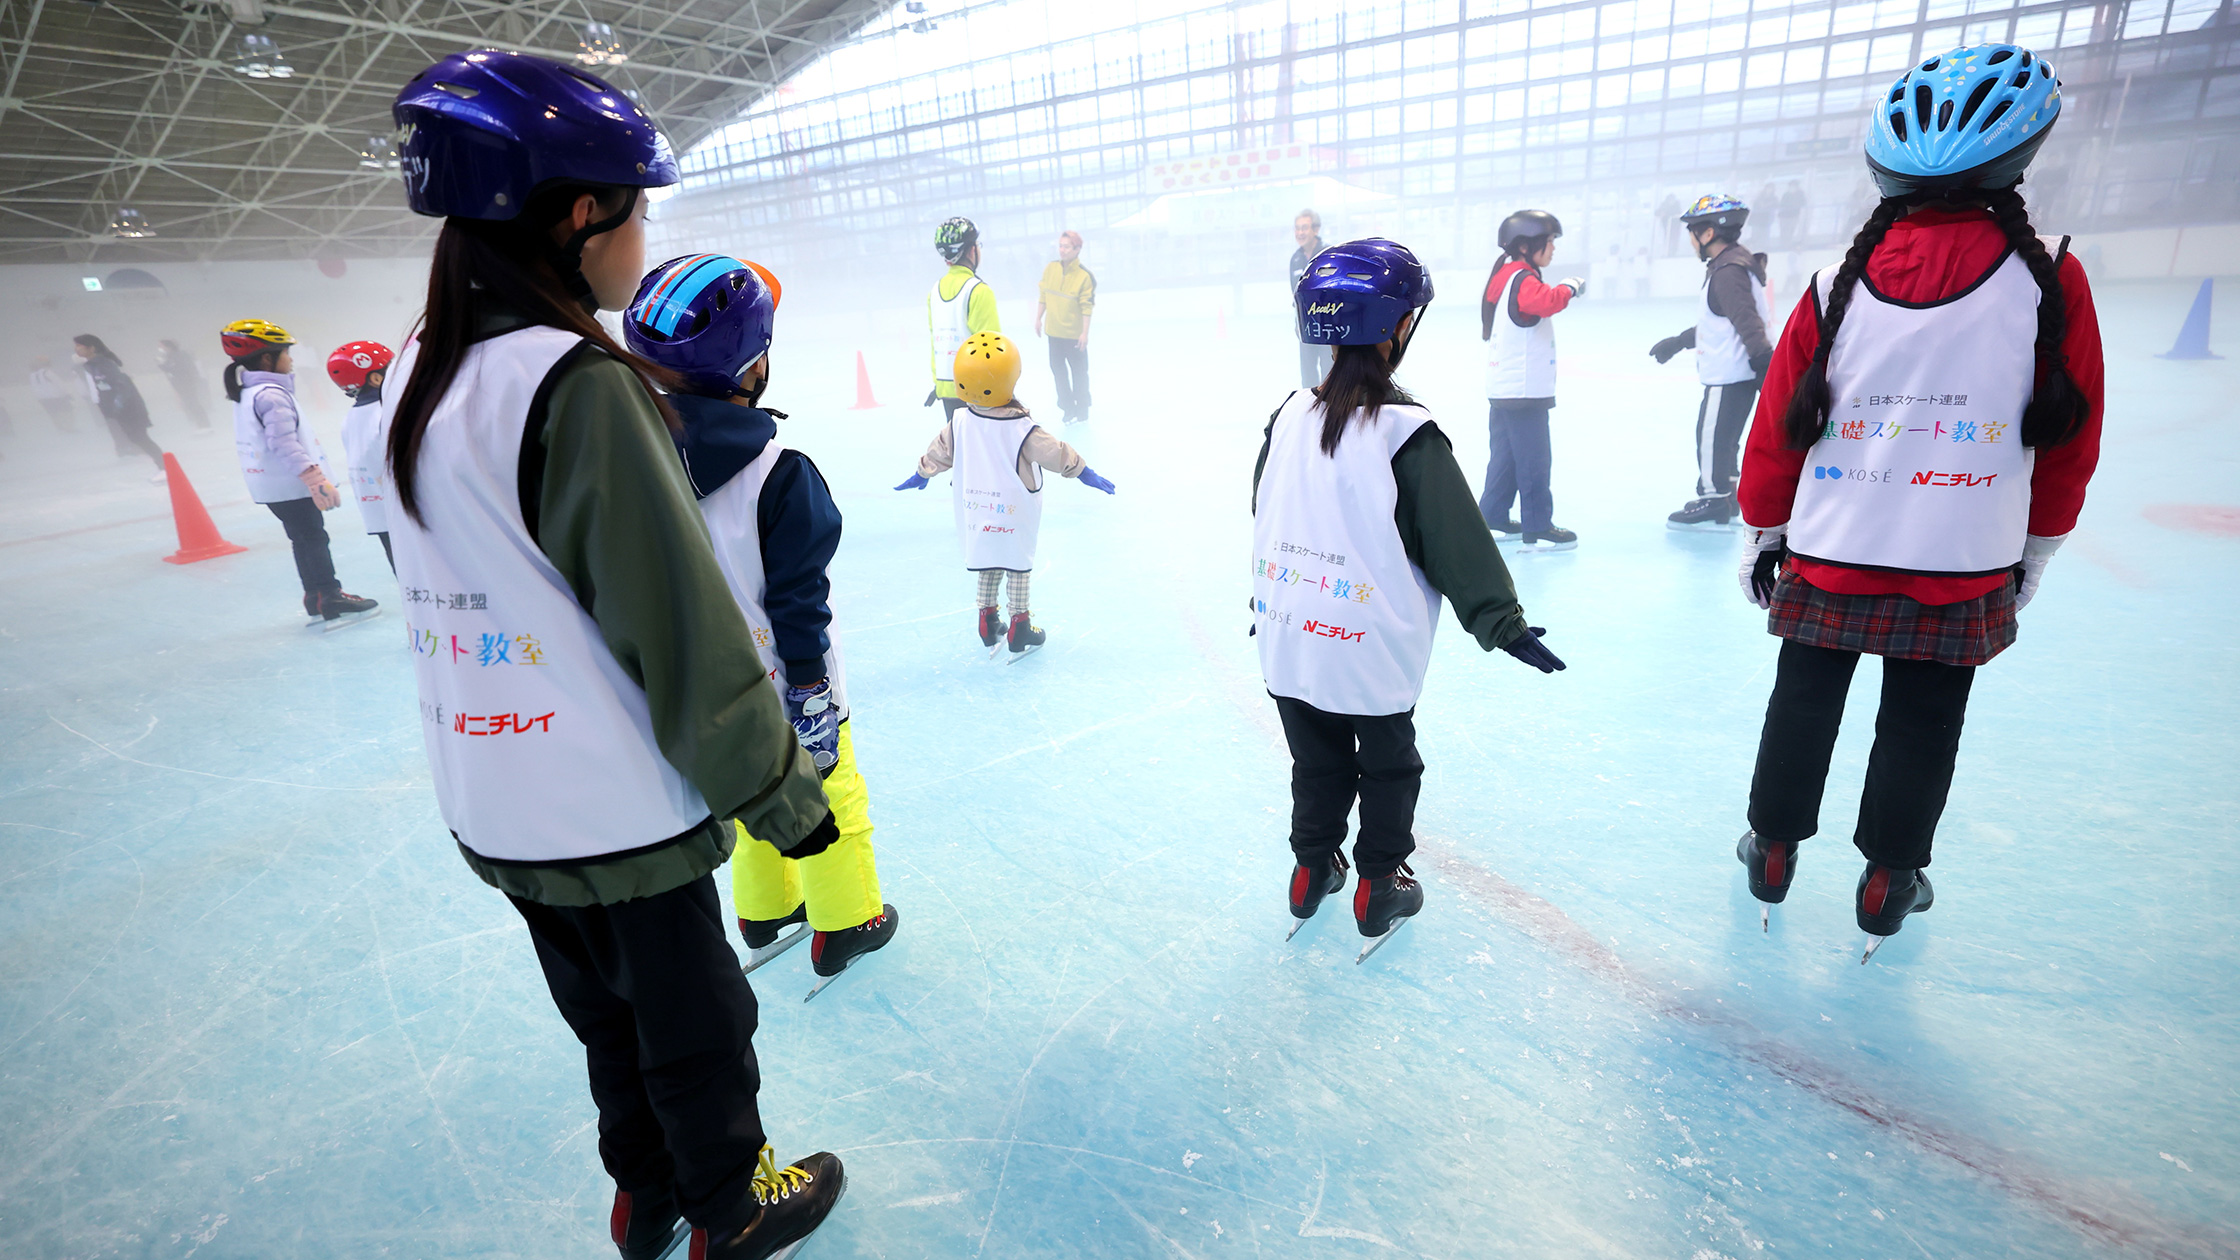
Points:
point(1528, 648)
point(1663, 351)
point(931, 394)
point(1765, 572)
point(1759, 363)
point(821, 837)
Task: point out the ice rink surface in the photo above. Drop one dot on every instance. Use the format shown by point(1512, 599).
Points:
point(253, 1005)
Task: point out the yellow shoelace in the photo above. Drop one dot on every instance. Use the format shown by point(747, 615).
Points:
point(772, 1183)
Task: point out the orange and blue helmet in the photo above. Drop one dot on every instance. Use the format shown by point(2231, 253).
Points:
point(706, 317)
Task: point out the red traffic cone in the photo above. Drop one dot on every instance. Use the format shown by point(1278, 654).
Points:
point(198, 534)
point(864, 400)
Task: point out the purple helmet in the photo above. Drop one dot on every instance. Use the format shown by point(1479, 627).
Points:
point(1354, 294)
point(706, 317)
point(478, 132)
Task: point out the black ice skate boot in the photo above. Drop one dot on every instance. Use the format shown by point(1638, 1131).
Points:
point(1772, 868)
point(1508, 527)
point(1717, 509)
point(1025, 636)
point(768, 938)
point(1380, 906)
point(794, 1200)
point(1310, 884)
point(834, 952)
point(991, 626)
point(1556, 538)
point(645, 1223)
point(338, 608)
point(1887, 894)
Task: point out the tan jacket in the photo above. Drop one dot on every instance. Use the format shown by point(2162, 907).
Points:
point(1039, 448)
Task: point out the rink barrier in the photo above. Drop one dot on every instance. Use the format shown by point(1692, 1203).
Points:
point(198, 534)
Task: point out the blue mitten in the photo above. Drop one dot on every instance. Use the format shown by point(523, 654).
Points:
point(916, 482)
point(815, 722)
point(1090, 479)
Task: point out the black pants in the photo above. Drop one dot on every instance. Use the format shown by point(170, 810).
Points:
point(949, 407)
point(1909, 773)
point(653, 991)
point(1314, 364)
point(1725, 412)
point(1519, 463)
point(308, 535)
point(387, 550)
point(127, 436)
point(1338, 756)
point(1069, 366)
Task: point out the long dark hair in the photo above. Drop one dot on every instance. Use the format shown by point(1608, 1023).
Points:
point(1360, 380)
point(2057, 407)
point(266, 360)
point(100, 348)
point(481, 265)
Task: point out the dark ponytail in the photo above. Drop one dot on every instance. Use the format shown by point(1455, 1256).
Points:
point(261, 361)
point(1360, 379)
point(99, 347)
point(2057, 407)
point(480, 265)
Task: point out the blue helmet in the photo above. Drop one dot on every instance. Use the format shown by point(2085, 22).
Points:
point(706, 317)
point(1716, 210)
point(1355, 294)
point(478, 132)
point(1972, 118)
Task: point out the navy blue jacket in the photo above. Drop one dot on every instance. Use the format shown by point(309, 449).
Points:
point(798, 521)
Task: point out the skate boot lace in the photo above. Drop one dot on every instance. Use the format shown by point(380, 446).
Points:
point(773, 1184)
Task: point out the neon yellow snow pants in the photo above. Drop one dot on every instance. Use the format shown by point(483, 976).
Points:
point(841, 884)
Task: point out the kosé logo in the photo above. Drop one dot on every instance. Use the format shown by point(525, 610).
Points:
point(1829, 472)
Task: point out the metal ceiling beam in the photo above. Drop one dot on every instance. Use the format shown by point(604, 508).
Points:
point(484, 40)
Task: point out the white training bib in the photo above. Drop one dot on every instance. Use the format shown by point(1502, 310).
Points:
point(542, 747)
point(950, 329)
point(1721, 358)
point(1921, 468)
point(999, 517)
point(1520, 358)
point(733, 514)
point(268, 481)
point(363, 449)
point(1346, 620)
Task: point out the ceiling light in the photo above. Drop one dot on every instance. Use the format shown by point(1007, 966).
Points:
point(599, 46)
point(260, 58)
point(378, 153)
point(129, 226)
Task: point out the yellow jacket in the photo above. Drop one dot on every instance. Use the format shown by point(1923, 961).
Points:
point(1069, 294)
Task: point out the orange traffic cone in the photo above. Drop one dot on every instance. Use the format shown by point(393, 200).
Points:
point(864, 400)
point(198, 534)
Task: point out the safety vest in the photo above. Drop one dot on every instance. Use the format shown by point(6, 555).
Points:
point(1345, 619)
point(1921, 468)
point(1721, 358)
point(260, 467)
point(1520, 358)
point(362, 448)
point(999, 516)
point(733, 513)
point(541, 746)
point(949, 328)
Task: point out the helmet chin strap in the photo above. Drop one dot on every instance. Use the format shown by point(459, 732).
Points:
point(1400, 343)
point(567, 258)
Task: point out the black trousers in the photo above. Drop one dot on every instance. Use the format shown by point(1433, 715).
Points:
point(1719, 423)
point(653, 991)
point(1336, 757)
point(307, 533)
point(1314, 364)
point(387, 550)
point(1069, 368)
point(127, 436)
point(1909, 772)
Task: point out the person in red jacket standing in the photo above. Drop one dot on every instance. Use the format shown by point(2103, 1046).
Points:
point(1521, 381)
point(1943, 385)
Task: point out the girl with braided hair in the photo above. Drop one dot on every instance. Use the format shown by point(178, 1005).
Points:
point(1943, 386)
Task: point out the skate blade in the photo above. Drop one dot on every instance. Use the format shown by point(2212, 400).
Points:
point(1765, 918)
point(825, 982)
point(325, 626)
point(757, 957)
point(1023, 654)
point(1873, 943)
point(1295, 926)
point(1377, 943)
point(996, 649)
point(677, 1241)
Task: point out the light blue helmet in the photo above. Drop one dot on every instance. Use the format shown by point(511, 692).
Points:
point(1971, 118)
point(1356, 293)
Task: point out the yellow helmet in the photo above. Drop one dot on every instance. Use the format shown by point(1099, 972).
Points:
point(244, 337)
point(987, 369)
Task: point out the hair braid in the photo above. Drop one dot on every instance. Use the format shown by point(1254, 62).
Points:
point(2057, 408)
point(1808, 406)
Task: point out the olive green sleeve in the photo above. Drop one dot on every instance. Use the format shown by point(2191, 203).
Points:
point(617, 518)
point(1446, 538)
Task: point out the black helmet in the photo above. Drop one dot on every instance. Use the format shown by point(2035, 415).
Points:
point(1527, 225)
point(954, 237)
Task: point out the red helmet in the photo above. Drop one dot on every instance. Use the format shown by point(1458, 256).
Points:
point(350, 365)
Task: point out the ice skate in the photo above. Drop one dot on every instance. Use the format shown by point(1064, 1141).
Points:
point(1550, 539)
point(332, 610)
point(1309, 886)
point(1887, 894)
point(1025, 637)
point(645, 1224)
point(768, 938)
point(1772, 868)
point(1380, 906)
point(794, 1200)
point(834, 952)
point(991, 630)
point(1508, 529)
point(1712, 512)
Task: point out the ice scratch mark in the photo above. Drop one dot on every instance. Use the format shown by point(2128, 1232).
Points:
point(227, 778)
point(1308, 1228)
point(931, 1200)
point(2175, 1160)
point(36, 827)
point(1058, 743)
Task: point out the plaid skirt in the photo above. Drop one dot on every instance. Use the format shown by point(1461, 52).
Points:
point(1967, 633)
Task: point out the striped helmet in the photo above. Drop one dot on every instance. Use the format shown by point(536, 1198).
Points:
point(707, 317)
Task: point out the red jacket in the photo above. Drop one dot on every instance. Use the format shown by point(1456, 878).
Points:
point(1928, 255)
point(1534, 296)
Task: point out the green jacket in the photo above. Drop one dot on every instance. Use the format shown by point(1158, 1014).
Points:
point(1443, 534)
point(616, 517)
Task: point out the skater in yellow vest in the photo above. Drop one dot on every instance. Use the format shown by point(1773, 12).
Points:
point(960, 305)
